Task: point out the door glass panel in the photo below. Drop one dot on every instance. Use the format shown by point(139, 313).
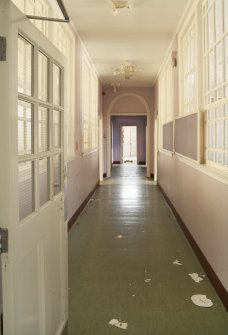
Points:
point(44, 181)
point(56, 85)
point(57, 174)
point(25, 128)
point(25, 60)
point(57, 129)
point(42, 77)
point(26, 188)
point(43, 120)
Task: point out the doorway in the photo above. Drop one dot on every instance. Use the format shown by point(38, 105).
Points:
point(129, 144)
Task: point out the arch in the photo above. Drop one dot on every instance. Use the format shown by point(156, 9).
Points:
point(146, 112)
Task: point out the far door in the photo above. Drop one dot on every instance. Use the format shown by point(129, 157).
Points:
point(34, 270)
point(129, 144)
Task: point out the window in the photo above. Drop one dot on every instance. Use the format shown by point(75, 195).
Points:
point(63, 38)
point(215, 18)
point(166, 111)
point(40, 116)
point(187, 42)
point(89, 106)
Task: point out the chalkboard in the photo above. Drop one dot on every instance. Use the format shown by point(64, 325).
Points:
point(186, 136)
point(168, 136)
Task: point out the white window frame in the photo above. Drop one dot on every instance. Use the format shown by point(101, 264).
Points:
point(166, 96)
point(216, 95)
point(187, 60)
point(89, 105)
point(63, 37)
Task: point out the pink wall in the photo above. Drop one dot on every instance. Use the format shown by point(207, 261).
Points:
point(199, 199)
point(128, 105)
point(201, 202)
point(82, 172)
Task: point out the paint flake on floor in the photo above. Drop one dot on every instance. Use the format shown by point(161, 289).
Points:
point(119, 237)
point(176, 262)
point(195, 277)
point(201, 300)
point(118, 324)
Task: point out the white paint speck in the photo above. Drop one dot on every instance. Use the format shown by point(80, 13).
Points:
point(119, 324)
point(143, 231)
point(147, 280)
point(176, 262)
point(119, 237)
point(133, 295)
point(195, 277)
point(201, 300)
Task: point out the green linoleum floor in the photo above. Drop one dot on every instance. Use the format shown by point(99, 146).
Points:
point(127, 234)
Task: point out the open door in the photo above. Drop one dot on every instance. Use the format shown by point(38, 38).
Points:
point(32, 179)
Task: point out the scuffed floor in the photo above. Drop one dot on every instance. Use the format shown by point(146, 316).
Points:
point(131, 270)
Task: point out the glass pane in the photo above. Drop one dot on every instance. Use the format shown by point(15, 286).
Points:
point(219, 157)
point(219, 134)
point(226, 135)
point(26, 188)
point(226, 15)
point(211, 134)
point(57, 128)
point(25, 57)
point(43, 76)
point(25, 128)
point(56, 85)
point(211, 156)
point(226, 110)
point(211, 70)
point(226, 159)
point(219, 70)
point(43, 121)
point(218, 19)
point(44, 181)
point(226, 58)
point(210, 27)
point(57, 174)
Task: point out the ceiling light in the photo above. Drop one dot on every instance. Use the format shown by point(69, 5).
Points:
point(114, 86)
point(126, 69)
point(119, 4)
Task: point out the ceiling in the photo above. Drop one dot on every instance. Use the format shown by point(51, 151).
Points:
point(140, 35)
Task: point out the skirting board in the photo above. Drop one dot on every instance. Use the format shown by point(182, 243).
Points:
point(220, 289)
point(71, 222)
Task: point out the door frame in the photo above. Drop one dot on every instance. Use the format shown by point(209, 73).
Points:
point(148, 130)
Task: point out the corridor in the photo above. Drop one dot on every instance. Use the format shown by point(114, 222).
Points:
point(121, 266)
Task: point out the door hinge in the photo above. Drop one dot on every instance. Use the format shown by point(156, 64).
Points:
point(3, 240)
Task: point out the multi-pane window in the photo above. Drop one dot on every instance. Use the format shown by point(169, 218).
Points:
point(166, 111)
point(188, 70)
point(89, 107)
point(40, 115)
point(217, 135)
point(63, 39)
point(215, 17)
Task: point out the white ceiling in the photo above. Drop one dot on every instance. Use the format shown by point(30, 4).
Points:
point(140, 35)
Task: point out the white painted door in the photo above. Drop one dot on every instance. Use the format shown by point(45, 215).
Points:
point(32, 163)
point(129, 136)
